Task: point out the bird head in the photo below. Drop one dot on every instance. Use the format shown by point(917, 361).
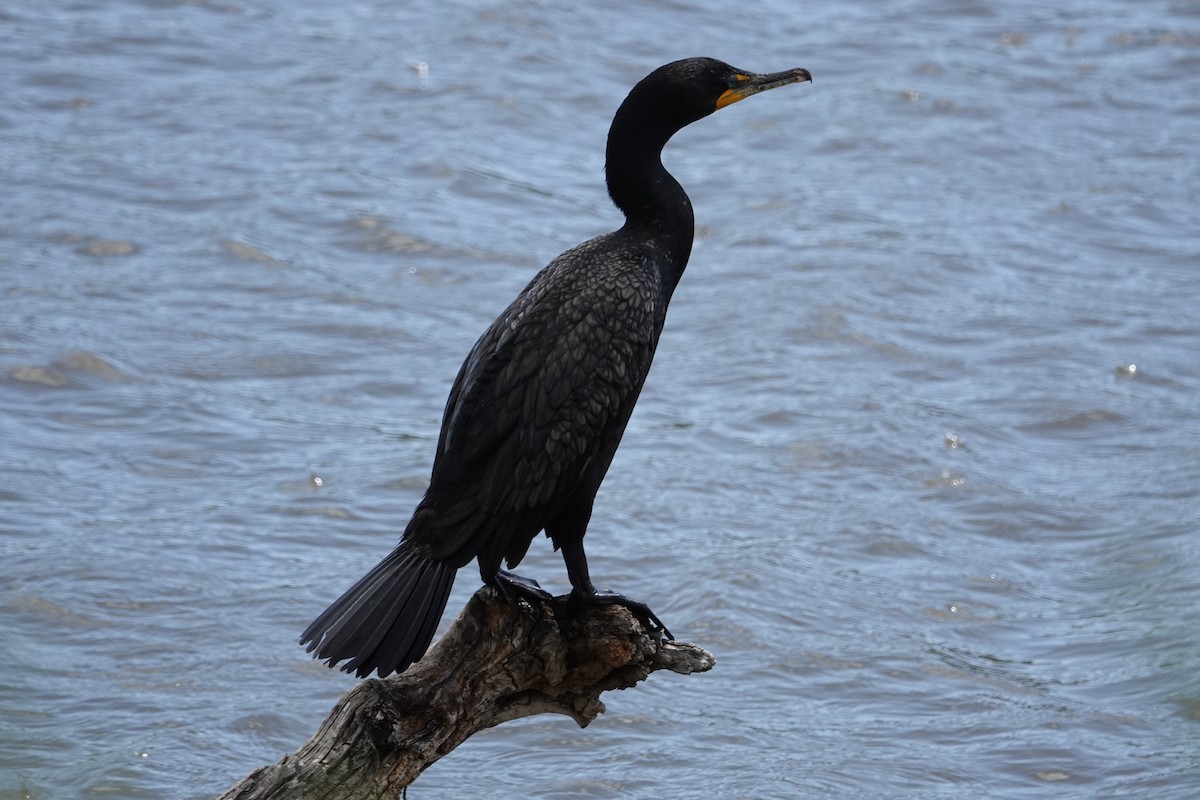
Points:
point(691, 89)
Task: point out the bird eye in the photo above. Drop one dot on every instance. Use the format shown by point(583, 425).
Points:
point(733, 81)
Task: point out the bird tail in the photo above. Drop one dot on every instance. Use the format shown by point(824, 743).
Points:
point(387, 620)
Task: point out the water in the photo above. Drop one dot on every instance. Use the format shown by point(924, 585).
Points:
point(918, 461)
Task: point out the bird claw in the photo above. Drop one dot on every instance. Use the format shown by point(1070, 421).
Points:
point(640, 611)
point(513, 587)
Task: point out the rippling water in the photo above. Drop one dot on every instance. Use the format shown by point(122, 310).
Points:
point(919, 459)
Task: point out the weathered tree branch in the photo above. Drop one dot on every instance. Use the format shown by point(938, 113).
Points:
point(497, 662)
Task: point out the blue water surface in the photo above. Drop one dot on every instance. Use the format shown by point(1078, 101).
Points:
point(918, 460)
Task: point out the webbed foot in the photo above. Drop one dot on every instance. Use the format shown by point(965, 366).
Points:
point(641, 611)
point(513, 587)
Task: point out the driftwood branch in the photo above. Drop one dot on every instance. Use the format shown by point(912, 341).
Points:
point(497, 662)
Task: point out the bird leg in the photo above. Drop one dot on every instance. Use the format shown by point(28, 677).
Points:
point(583, 590)
point(513, 587)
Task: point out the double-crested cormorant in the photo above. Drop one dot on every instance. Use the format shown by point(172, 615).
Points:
point(538, 408)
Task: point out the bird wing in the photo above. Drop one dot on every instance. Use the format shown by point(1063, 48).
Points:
point(544, 394)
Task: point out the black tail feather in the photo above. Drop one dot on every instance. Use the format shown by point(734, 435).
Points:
point(430, 592)
point(386, 620)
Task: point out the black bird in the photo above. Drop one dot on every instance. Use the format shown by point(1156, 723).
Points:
point(538, 408)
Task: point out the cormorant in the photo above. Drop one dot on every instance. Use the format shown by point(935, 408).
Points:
point(539, 406)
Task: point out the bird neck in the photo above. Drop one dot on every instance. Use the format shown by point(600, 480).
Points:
point(656, 207)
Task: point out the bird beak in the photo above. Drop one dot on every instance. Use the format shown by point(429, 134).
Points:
point(753, 84)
